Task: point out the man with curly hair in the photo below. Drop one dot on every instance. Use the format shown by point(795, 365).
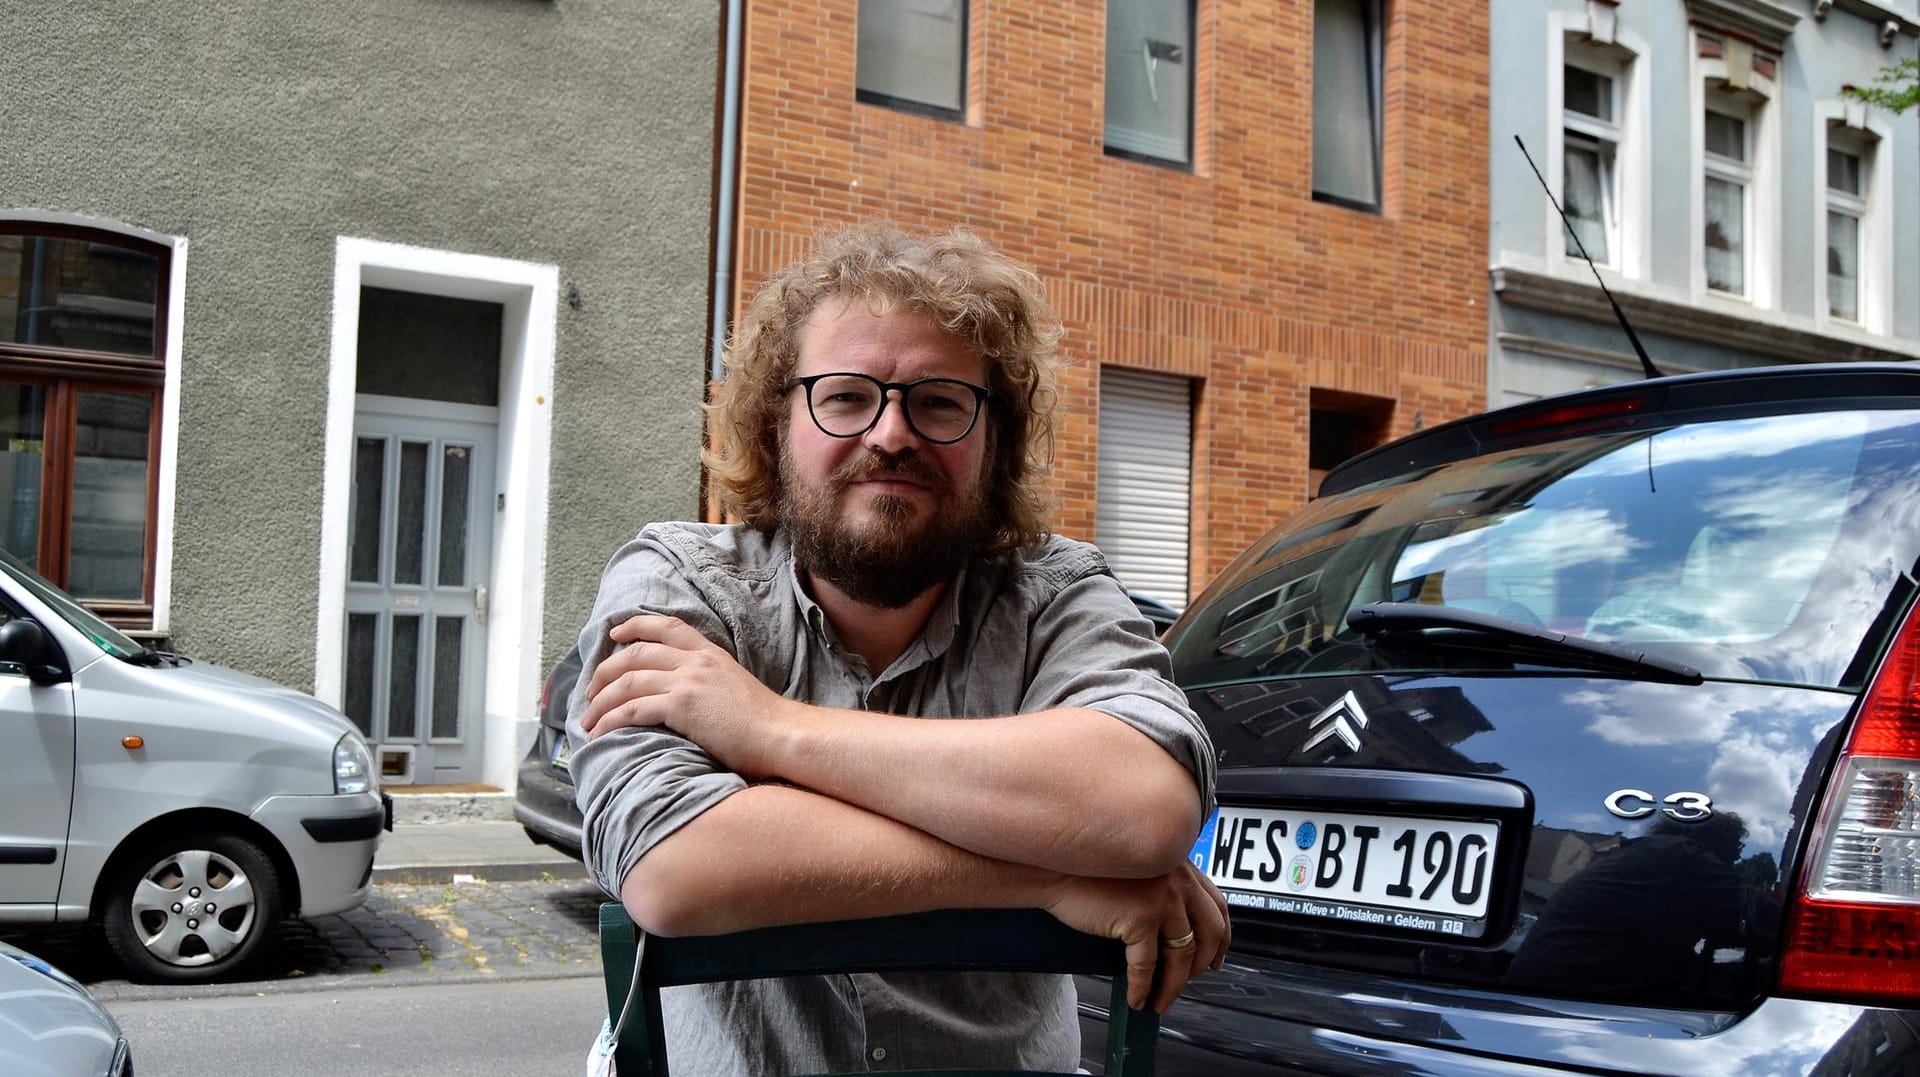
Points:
point(748, 730)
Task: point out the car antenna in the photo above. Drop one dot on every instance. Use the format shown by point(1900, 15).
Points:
point(1646, 364)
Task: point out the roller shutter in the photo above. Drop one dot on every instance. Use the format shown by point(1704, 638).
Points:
point(1146, 464)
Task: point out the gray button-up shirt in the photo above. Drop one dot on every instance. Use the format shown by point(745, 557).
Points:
point(1049, 629)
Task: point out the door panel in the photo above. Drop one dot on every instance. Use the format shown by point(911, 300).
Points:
point(36, 787)
point(421, 545)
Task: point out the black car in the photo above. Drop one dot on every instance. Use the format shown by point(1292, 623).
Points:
point(543, 801)
point(1582, 736)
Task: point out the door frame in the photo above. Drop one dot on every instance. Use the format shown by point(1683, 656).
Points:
point(516, 578)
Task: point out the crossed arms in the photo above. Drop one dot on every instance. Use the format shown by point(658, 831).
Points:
point(849, 814)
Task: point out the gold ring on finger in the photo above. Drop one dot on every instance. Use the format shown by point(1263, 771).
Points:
point(1180, 943)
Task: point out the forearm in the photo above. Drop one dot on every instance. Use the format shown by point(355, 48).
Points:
point(1070, 790)
point(772, 855)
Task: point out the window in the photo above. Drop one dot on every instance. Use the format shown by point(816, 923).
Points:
point(913, 55)
point(1590, 111)
point(1848, 156)
point(1728, 195)
point(1150, 80)
point(1340, 426)
point(81, 370)
point(1346, 102)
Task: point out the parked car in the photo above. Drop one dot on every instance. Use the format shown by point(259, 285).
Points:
point(51, 1027)
point(543, 799)
point(1579, 736)
point(186, 807)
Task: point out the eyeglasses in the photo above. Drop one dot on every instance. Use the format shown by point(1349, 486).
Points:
point(847, 405)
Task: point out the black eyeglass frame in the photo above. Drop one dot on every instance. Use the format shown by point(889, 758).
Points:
point(981, 394)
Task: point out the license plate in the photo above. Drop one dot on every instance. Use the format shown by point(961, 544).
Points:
point(560, 756)
point(1383, 872)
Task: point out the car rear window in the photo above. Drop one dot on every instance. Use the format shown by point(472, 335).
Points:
point(1758, 549)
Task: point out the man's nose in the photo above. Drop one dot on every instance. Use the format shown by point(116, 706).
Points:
point(891, 432)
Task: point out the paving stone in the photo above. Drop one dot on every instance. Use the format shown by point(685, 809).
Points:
point(542, 926)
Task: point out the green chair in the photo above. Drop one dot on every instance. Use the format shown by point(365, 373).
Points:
point(994, 940)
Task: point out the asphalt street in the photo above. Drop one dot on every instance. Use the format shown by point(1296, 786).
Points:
point(423, 1028)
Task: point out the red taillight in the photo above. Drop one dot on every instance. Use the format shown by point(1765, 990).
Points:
point(1853, 927)
point(546, 695)
point(1569, 418)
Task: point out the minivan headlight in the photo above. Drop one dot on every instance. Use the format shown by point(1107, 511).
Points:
point(352, 765)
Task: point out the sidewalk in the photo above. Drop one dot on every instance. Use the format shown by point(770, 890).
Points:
point(490, 850)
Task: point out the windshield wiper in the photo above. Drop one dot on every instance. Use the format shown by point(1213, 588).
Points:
point(1378, 617)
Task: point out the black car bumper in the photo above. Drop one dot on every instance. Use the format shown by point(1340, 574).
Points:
point(544, 805)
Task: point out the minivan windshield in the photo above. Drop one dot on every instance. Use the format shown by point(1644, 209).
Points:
point(105, 636)
point(1750, 549)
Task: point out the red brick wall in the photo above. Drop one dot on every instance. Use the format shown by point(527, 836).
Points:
point(1229, 273)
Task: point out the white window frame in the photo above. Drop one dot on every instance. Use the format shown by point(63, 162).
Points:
point(1735, 172)
point(1871, 135)
point(1760, 174)
point(167, 463)
point(1603, 138)
point(1592, 41)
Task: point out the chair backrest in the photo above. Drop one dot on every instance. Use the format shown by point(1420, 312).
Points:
point(986, 940)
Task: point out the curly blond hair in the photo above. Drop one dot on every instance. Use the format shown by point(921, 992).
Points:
point(978, 294)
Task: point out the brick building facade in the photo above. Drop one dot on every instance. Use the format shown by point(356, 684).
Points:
point(1297, 320)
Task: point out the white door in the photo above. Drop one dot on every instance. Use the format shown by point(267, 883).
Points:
point(418, 562)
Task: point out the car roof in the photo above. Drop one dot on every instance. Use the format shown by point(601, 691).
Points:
point(1755, 390)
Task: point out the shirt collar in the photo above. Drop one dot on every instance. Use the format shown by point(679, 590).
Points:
point(934, 639)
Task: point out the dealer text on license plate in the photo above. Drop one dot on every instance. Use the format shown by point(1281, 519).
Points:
point(1383, 871)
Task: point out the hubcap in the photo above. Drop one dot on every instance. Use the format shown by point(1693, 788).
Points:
point(193, 908)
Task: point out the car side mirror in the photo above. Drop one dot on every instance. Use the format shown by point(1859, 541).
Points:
point(25, 644)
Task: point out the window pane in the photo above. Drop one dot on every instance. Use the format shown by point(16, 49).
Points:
point(108, 558)
point(1843, 171)
point(1726, 136)
point(1150, 77)
point(23, 410)
point(454, 495)
point(1346, 127)
point(446, 675)
point(1726, 236)
point(410, 533)
point(1588, 94)
point(1588, 183)
point(359, 676)
point(428, 347)
point(369, 480)
point(913, 50)
point(1843, 266)
point(403, 678)
point(75, 293)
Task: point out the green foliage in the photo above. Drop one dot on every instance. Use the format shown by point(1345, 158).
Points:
point(1896, 88)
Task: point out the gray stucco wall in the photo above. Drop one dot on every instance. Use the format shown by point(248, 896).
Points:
point(578, 134)
point(1819, 58)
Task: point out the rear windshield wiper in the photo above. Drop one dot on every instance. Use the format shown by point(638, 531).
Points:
point(1379, 617)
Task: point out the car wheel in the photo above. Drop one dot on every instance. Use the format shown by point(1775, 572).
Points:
point(192, 908)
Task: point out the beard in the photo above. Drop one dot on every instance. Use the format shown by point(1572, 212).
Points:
point(889, 562)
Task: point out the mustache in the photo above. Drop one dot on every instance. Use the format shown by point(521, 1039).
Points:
point(880, 464)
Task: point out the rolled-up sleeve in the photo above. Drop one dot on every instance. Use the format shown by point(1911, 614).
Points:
point(635, 786)
point(1088, 647)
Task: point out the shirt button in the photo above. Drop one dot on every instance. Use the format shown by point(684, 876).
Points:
point(879, 1054)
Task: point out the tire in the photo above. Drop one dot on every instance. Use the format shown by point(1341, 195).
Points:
point(189, 908)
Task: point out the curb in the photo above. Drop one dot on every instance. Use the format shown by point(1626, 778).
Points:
point(132, 992)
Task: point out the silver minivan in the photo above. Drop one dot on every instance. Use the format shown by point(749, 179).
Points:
point(186, 807)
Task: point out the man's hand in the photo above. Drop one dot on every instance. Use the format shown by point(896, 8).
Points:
point(1149, 915)
point(668, 674)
